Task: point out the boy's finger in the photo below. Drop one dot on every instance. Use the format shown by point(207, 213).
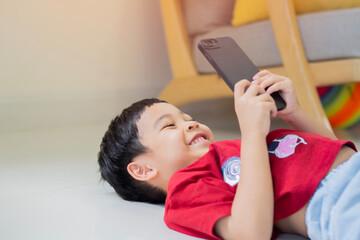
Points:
point(255, 90)
point(274, 88)
point(260, 74)
point(273, 111)
point(265, 97)
point(265, 80)
point(272, 105)
point(240, 87)
point(268, 81)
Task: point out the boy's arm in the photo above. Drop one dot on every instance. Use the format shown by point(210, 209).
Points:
point(253, 206)
point(252, 211)
point(302, 121)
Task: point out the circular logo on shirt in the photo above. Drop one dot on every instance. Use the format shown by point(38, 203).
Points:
point(231, 170)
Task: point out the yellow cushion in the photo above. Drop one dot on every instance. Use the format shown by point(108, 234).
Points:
point(246, 11)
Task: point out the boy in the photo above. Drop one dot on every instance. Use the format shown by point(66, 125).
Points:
point(153, 151)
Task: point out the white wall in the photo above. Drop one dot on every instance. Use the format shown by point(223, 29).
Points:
point(77, 61)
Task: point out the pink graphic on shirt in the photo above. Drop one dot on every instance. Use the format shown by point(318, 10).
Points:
point(287, 145)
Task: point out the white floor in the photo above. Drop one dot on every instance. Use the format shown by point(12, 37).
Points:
point(50, 187)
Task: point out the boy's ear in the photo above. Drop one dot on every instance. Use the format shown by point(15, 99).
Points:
point(141, 171)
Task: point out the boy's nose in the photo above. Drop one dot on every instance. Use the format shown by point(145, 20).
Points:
point(192, 124)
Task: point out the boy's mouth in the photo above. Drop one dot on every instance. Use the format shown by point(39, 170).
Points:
point(198, 138)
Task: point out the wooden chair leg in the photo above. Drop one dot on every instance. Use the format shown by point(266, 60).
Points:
point(283, 19)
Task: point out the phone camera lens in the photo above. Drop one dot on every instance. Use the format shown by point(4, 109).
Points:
point(210, 43)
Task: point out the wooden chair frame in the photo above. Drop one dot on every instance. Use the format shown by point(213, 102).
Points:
point(188, 85)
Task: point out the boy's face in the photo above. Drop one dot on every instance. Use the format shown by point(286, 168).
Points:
point(173, 138)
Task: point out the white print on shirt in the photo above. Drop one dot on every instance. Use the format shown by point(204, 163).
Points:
point(231, 170)
point(285, 146)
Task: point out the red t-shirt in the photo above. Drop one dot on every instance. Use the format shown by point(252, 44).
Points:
point(203, 192)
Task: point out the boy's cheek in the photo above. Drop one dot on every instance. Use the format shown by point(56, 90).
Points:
point(211, 136)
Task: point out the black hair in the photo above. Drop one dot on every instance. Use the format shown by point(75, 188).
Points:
point(119, 146)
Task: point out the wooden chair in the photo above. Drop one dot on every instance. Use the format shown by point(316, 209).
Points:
point(188, 85)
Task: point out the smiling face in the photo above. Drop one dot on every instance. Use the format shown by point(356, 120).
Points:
point(173, 139)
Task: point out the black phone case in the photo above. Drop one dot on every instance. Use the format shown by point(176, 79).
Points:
point(231, 63)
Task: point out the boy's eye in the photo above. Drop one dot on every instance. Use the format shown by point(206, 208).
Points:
point(169, 125)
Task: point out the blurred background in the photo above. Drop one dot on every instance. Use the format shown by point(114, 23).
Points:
point(66, 69)
point(75, 62)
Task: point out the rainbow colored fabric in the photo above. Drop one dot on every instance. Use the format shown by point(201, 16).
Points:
point(341, 104)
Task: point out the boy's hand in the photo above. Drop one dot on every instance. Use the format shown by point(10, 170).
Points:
point(253, 107)
point(292, 113)
point(273, 83)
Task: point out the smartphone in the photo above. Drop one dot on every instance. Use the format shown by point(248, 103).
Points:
point(232, 64)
